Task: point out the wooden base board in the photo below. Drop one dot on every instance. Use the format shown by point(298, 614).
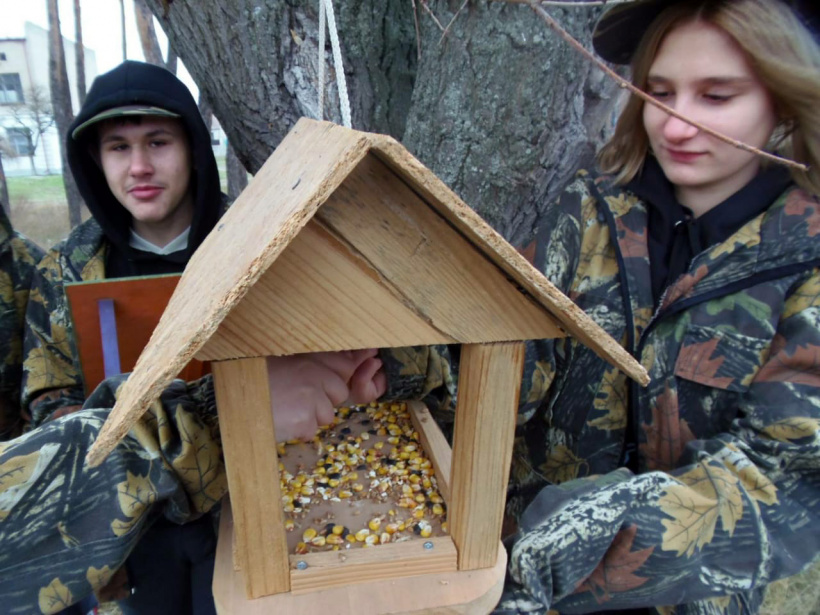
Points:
point(468, 593)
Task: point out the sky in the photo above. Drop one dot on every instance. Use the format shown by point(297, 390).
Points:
point(101, 28)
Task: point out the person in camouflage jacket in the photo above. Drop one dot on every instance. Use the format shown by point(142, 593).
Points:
point(18, 257)
point(65, 528)
point(142, 158)
point(688, 496)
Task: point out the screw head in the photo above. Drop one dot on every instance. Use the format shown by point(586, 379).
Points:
point(428, 545)
point(301, 565)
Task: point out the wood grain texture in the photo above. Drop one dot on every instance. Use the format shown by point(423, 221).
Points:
point(488, 388)
point(434, 444)
point(249, 446)
point(390, 561)
point(467, 221)
point(449, 593)
point(319, 295)
point(447, 279)
point(312, 160)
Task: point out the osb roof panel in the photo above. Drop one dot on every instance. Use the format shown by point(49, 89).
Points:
point(309, 164)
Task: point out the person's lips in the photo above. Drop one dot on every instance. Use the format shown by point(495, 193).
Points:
point(145, 192)
point(682, 155)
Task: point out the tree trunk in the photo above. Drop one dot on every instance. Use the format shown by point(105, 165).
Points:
point(4, 190)
point(500, 108)
point(80, 53)
point(122, 30)
point(61, 105)
point(148, 36)
point(237, 175)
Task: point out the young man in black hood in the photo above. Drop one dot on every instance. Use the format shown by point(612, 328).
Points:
point(142, 158)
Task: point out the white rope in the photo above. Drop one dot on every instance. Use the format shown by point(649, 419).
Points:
point(320, 112)
point(341, 84)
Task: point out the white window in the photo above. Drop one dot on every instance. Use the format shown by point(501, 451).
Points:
point(11, 90)
point(20, 141)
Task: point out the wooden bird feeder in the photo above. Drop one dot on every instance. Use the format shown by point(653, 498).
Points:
point(343, 241)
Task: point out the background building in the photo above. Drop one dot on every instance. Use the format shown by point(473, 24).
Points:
point(25, 101)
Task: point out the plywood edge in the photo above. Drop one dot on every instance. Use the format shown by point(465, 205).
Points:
point(151, 376)
point(434, 444)
point(340, 568)
point(467, 221)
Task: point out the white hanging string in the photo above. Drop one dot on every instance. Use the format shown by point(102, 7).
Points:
point(321, 69)
point(341, 83)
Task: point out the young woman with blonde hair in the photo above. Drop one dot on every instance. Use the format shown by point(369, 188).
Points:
point(693, 494)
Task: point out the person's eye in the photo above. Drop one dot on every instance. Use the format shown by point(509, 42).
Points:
point(715, 97)
point(659, 94)
point(158, 143)
point(117, 147)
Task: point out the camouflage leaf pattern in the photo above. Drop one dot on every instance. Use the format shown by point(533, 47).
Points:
point(728, 431)
point(18, 258)
point(51, 558)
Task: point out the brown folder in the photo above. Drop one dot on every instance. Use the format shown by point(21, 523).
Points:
point(113, 321)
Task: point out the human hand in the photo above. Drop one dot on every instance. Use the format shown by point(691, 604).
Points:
point(306, 388)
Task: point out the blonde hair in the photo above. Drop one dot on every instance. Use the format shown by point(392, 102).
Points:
point(781, 51)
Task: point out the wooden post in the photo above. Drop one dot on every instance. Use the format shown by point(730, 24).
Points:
point(488, 389)
point(249, 445)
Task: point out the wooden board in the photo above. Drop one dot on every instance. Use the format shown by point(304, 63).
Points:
point(451, 593)
point(249, 446)
point(488, 387)
point(435, 445)
point(390, 561)
point(319, 295)
point(475, 229)
point(139, 304)
point(305, 170)
point(394, 274)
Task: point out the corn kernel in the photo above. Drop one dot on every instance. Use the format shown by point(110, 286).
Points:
point(375, 524)
point(384, 538)
point(438, 509)
point(309, 534)
point(318, 541)
point(362, 534)
point(335, 539)
point(344, 494)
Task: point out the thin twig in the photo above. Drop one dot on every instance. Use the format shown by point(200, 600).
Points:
point(652, 101)
point(427, 8)
point(418, 32)
point(447, 29)
point(567, 3)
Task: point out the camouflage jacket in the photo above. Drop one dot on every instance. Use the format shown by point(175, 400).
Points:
point(52, 381)
point(66, 528)
point(727, 494)
point(18, 257)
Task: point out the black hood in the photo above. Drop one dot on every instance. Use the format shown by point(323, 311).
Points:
point(140, 83)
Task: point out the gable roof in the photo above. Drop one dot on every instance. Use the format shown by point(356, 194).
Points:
point(303, 174)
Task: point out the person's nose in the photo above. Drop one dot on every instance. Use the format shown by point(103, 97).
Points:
point(140, 162)
point(675, 129)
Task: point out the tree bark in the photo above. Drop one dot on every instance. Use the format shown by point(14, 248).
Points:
point(500, 108)
point(237, 175)
point(147, 34)
point(79, 52)
point(61, 106)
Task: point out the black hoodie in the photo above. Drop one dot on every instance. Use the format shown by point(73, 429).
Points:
point(133, 83)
